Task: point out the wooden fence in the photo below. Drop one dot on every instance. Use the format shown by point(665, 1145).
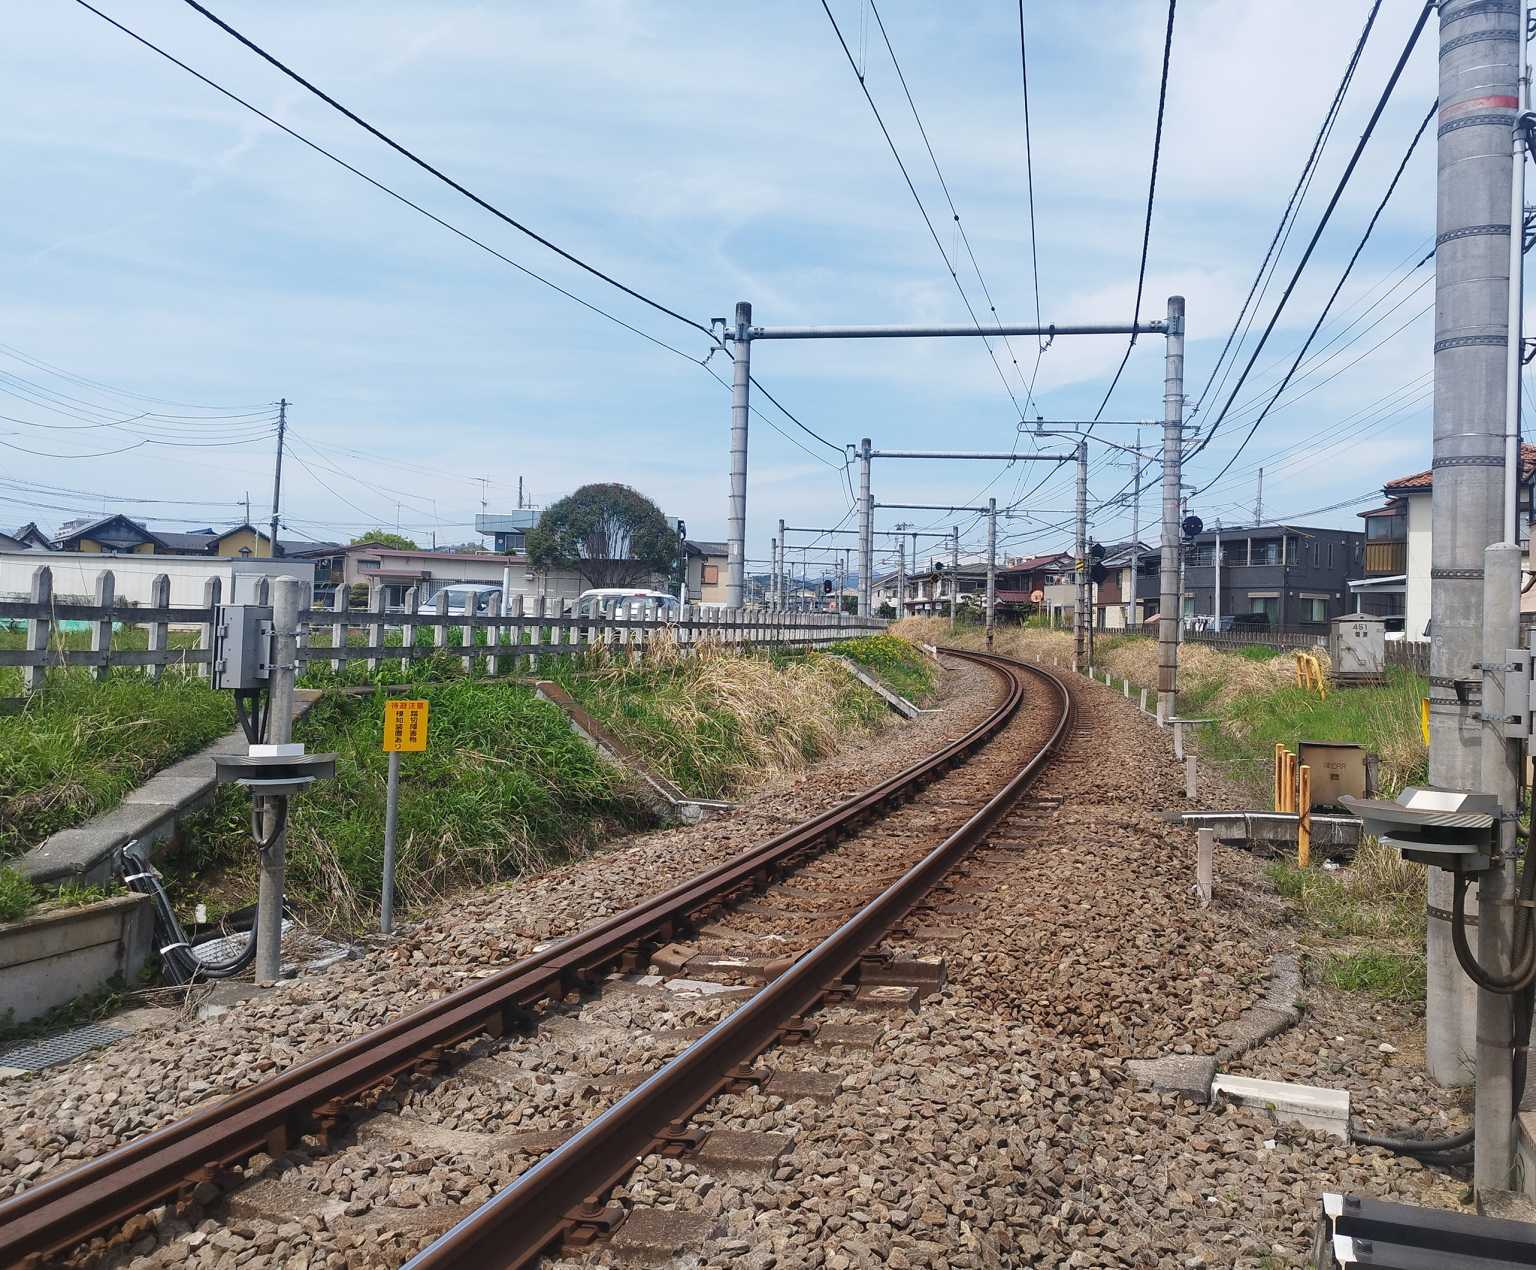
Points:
point(1281, 641)
point(505, 640)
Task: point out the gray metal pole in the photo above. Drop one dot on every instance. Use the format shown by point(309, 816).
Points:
point(1080, 606)
point(277, 473)
point(269, 901)
point(779, 577)
point(1479, 99)
point(901, 578)
point(954, 571)
point(773, 575)
point(736, 529)
point(938, 332)
point(1130, 608)
point(842, 583)
point(391, 815)
point(866, 533)
point(1216, 591)
point(1493, 1117)
point(1168, 583)
point(991, 567)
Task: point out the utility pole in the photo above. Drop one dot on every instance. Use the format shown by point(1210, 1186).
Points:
point(247, 507)
point(1130, 607)
point(954, 571)
point(741, 378)
point(519, 493)
point(1173, 439)
point(901, 578)
point(1080, 604)
point(277, 474)
point(779, 576)
point(1258, 502)
point(274, 815)
point(1216, 590)
point(991, 567)
point(1480, 59)
point(866, 531)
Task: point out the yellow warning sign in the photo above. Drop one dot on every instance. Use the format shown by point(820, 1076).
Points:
point(405, 725)
point(1424, 718)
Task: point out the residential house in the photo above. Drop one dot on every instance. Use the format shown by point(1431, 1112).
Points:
point(398, 570)
point(1394, 578)
point(706, 571)
point(1023, 583)
point(112, 534)
point(929, 590)
point(30, 536)
point(1298, 577)
point(508, 531)
point(1128, 596)
point(7, 543)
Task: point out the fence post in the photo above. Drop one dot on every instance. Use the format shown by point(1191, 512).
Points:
point(39, 625)
point(1205, 852)
point(440, 625)
point(492, 634)
point(467, 635)
point(1303, 816)
point(408, 628)
point(515, 659)
point(101, 628)
point(376, 626)
point(212, 590)
point(159, 628)
point(339, 603)
point(539, 606)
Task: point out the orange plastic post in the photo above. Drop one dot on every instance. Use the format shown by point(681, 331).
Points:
point(1304, 817)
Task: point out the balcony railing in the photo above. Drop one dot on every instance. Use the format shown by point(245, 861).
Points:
point(1383, 558)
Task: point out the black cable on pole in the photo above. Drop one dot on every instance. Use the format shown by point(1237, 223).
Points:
point(1302, 182)
point(1359, 247)
point(1322, 224)
point(1146, 229)
point(439, 173)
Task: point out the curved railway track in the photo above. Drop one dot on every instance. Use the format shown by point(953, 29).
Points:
point(563, 1194)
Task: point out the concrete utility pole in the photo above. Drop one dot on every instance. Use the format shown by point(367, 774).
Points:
point(1080, 600)
point(901, 578)
point(736, 535)
point(1258, 502)
point(1130, 606)
point(866, 532)
point(991, 567)
point(1480, 55)
point(779, 573)
point(277, 474)
point(954, 571)
point(274, 815)
point(1173, 438)
point(1216, 589)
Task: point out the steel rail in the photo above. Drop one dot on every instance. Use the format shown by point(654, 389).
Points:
point(525, 1218)
point(314, 1094)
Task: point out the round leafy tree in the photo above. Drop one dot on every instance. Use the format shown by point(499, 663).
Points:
point(610, 534)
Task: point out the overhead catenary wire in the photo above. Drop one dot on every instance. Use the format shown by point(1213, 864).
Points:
point(442, 176)
point(1349, 266)
point(1322, 224)
point(1292, 207)
point(1146, 229)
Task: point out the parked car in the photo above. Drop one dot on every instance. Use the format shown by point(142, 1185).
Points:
point(605, 601)
point(465, 598)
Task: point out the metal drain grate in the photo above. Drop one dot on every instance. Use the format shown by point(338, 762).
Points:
point(61, 1048)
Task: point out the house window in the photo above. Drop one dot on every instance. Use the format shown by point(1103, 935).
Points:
point(1314, 610)
point(1330, 555)
point(710, 574)
point(1269, 605)
point(1202, 555)
point(1386, 528)
point(1266, 551)
point(368, 564)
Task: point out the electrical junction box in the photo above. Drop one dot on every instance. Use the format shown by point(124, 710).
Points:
point(1338, 768)
point(1446, 828)
point(242, 646)
point(1357, 647)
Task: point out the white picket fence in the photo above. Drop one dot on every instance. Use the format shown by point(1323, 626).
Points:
point(503, 641)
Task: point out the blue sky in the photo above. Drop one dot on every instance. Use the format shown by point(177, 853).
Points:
point(165, 242)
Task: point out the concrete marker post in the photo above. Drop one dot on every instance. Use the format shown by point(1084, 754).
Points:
point(274, 813)
point(1205, 865)
point(1303, 817)
point(1191, 783)
point(391, 816)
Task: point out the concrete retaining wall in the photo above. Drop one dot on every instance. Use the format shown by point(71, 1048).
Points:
point(51, 959)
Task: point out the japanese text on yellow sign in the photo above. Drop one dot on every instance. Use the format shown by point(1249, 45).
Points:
point(1424, 718)
point(405, 725)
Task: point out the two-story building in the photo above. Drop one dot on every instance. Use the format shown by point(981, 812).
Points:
point(1296, 576)
point(706, 571)
point(1393, 581)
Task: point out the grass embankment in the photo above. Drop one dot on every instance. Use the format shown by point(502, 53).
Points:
point(1363, 924)
point(506, 787)
point(895, 662)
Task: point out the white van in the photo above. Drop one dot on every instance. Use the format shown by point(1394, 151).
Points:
point(605, 601)
point(465, 598)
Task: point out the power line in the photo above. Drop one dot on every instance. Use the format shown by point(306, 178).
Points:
point(1303, 183)
point(1354, 159)
point(953, 210)
point(17, 355)
point(1146, 229)
point(1029, 176)
point(917, 198)
point(1355, 256)
point(439, 173)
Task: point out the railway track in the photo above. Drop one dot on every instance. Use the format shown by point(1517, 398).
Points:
point(498, 1075)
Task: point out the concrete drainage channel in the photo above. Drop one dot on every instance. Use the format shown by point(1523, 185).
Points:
point(340, 1097)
